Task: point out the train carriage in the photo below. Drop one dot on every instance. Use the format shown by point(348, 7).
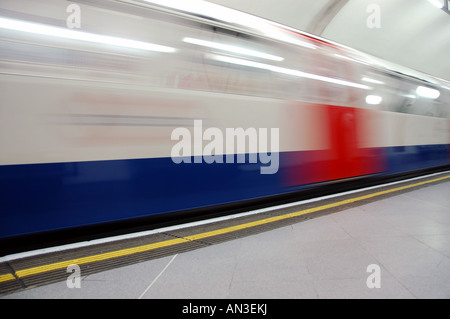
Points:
point(88, 113)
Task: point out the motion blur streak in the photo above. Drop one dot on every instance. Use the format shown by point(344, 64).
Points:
point(77, 35)
point(288, 71)
point(86, 115)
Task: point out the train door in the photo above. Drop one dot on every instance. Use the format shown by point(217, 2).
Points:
point(349, 126)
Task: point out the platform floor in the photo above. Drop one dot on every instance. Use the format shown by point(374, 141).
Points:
point(332, 256)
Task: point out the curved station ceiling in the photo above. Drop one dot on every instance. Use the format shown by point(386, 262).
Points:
point(412, 33)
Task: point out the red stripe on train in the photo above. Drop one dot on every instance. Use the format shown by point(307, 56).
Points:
point(344, 156)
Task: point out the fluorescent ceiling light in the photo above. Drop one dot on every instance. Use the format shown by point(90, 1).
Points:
point(437, 3)
point(373, 99)
point(365, 79)
point(232, 48)
point(285, 71)
point(428, 93)
point(52, 31)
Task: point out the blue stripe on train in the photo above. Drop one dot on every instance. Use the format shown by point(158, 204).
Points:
point(409, 158)
point(42, 197)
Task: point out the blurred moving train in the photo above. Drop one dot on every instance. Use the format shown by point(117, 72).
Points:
point(91, 92)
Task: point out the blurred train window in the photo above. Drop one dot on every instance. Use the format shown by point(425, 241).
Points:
point(289, 86)
point(406, 100)
point(402, 96)
point(190, 54)
point(98, 51)
point(218, 64)
point(238, 63)
point(33, 53)
point(333, 70)
point(426, 107)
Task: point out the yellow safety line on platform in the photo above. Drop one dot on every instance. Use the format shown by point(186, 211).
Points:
point(6, 277)
point(134, 250)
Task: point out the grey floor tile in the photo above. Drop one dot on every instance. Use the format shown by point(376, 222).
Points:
point(318, 229)
point(440, 243)
point(292, 289)
point(358, 289)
